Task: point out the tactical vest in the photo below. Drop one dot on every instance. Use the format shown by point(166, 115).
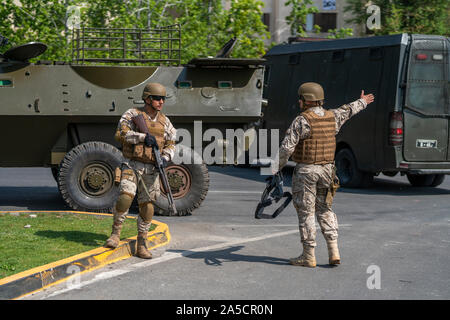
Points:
point(140, 152)
point(320, 147)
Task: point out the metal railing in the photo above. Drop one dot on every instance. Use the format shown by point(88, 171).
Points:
point(116, 45)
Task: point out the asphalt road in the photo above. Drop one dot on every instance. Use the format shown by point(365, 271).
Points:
point(394, 242)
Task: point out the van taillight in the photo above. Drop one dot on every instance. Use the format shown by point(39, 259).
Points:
point(396, 129)
point(421, 56)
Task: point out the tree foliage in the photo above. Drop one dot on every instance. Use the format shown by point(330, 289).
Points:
point(410, 16)
point(205, 24)
point(297, 20)
point(297, 17)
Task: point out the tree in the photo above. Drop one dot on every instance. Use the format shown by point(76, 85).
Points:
point(35, 21)
point(411, 16)
point(340, 33)
point(297, 20)
point(244, 22)
point(205, 24)
point(297, 17)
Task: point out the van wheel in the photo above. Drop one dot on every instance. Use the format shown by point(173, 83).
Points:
point(86, 177)
point(189, 184)
point(425, 180)
point(438, 180)
point(347, 170)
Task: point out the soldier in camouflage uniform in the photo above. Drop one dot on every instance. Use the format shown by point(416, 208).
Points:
point(311, 142)
point(139, 174)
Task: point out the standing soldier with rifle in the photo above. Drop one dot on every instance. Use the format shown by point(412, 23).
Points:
point(153, 135)
point(312, 143)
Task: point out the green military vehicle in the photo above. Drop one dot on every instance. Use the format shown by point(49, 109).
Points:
point(407, 130)
point(63, 115)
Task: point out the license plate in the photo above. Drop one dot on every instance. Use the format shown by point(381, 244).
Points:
point(422, 143)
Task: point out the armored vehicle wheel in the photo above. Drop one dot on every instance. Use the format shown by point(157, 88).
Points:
point(188, 180)
point(425, 180)
point(189, 184)
point(348, 172)
point(86, 177)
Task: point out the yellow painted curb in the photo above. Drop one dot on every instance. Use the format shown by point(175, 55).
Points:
point(36, 279)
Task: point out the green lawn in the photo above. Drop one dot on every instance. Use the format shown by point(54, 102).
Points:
point(51, 237)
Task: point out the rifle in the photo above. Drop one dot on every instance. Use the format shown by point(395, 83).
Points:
point(139, 121)
point(273, 192)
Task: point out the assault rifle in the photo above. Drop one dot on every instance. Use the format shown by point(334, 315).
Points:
point(273, 192)
point(139, 121)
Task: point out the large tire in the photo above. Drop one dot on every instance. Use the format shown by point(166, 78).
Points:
point(438, 180)
point(347, 170)
point(86, 177)
point(189, 184)
point(423, 180)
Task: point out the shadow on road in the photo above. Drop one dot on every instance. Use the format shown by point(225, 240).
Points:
point(216, 258)
point(37, 198)
point(32, 198)
point(381, 185)
point(398, 188)
point(250, 173)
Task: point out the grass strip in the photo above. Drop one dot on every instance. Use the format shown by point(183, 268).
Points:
point(29, 240)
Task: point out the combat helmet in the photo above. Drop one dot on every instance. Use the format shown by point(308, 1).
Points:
point(311, 91)
point(153, 89)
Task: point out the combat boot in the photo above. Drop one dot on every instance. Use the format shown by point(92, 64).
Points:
point(141, 246)
point(333, 252)
point(114, 239)
point(307, 259)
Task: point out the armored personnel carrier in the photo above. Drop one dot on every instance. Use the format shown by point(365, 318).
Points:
point(63, 115)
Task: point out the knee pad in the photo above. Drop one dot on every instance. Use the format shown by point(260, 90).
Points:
point(146, 211)
point(124, 202)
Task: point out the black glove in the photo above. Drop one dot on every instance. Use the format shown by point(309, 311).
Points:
point(165, 163)
point(150, 140)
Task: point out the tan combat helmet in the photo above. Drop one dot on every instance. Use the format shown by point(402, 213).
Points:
point(153, 89)
point(311, 91)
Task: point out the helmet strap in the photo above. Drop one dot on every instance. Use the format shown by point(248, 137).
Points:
point(150, 104)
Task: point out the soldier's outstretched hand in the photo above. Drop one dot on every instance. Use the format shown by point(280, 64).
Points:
point(368, 98)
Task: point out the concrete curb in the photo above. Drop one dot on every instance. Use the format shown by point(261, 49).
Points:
point(36, 279)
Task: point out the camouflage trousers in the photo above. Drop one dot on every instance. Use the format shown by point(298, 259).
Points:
point(131, 184)
point(310, 184)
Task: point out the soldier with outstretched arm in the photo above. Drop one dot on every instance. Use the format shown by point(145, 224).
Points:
point(311, 142)
point(139, 175)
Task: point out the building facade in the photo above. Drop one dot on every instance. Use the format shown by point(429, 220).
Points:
point(331, 15)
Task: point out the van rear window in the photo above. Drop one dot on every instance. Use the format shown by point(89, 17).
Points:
point(427, 81)
point(427, 97)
